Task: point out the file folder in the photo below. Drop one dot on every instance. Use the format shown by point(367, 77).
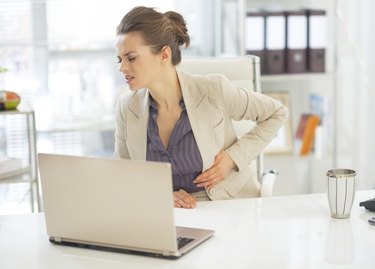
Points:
point(296, 48)
point(255, 36)
point(317, 40)
point(275, 42)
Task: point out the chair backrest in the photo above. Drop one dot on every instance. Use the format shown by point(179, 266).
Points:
point(242, 71)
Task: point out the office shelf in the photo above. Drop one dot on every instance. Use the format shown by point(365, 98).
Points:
point(18, 139)
point(298, 86)
point(296, 77)
point(9, 177)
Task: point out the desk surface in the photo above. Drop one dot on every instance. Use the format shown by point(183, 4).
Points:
point(277, 232)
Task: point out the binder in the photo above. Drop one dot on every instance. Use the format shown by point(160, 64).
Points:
point(275, 42)
point(296, 41)
point(255, 36)
point(317, 40)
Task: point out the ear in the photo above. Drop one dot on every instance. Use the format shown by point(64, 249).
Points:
point(166, 54)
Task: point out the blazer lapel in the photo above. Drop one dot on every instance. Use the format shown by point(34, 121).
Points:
point(137, 118)
point(201, 118)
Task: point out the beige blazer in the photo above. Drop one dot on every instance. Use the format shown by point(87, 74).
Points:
point(211, 104)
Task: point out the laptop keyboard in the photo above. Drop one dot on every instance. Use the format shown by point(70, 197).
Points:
point(183, 241)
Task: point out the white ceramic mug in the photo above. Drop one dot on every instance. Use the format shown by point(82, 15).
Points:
point(341, 192)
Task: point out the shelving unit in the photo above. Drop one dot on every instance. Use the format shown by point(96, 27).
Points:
point(310, 169)
point(18, 140)
point(296, 77)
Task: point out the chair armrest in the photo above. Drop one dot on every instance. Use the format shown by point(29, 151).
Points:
point(268, 180)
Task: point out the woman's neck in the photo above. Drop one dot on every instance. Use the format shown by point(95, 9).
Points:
point(167, 91)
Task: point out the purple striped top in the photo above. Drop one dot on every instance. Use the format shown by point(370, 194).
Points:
point(182, 151)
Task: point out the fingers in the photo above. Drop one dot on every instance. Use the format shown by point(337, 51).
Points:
point(183, 199)
point(208, 178)
point(220, 169)
point(219, 156)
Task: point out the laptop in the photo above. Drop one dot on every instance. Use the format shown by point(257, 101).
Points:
point(113, 204)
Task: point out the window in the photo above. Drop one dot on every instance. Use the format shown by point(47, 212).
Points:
point(61, 58)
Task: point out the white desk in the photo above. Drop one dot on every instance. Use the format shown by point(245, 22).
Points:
point(278, 232)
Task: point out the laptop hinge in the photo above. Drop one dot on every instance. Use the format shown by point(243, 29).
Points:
point(57, 239)
point(170, 253)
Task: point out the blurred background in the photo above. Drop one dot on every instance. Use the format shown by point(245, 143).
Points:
point(61, 59)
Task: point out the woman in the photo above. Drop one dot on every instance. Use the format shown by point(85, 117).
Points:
point(184, 119)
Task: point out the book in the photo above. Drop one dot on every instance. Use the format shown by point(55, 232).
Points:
point(306, 133)
point(299, 133)
point(320, 105)
point(301, 126)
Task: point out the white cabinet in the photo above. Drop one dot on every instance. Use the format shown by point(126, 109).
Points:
point(18, 151)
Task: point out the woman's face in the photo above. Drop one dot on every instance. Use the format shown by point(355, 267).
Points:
point(139, 65)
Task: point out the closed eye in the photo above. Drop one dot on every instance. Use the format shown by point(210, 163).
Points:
point(131, 59)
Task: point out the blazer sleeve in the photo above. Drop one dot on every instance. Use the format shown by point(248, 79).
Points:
point(268, 114)
point(121, 148)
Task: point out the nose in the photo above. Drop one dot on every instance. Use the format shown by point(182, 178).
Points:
point(123, 66)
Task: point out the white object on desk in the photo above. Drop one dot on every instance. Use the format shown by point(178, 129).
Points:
point(276, 232)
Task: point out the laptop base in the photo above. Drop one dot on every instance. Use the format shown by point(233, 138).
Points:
point(112, 249)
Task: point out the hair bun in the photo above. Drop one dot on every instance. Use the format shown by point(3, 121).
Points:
point(179, 26)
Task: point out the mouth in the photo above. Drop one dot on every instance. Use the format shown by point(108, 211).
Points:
point(128, 79)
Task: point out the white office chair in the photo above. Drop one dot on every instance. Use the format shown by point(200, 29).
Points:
point(243, 72)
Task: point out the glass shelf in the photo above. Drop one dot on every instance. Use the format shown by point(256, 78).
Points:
point(10, 176)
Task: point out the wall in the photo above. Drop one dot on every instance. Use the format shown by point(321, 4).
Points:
point(355, 94)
